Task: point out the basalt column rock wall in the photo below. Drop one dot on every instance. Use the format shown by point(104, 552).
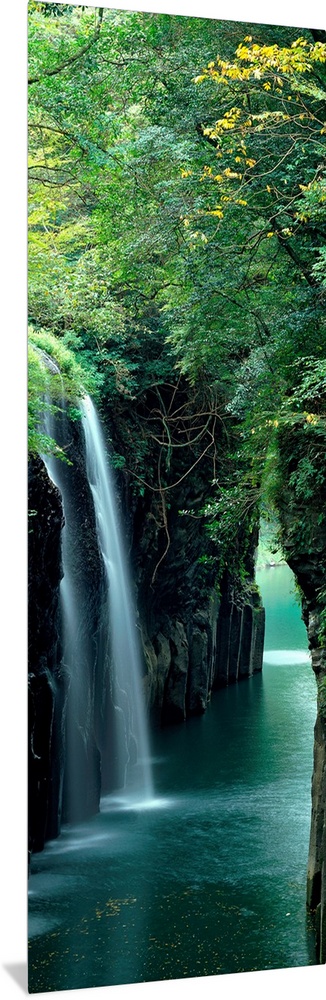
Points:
point(201, 627)
point(196, 637)
point(188, 657)
point(240, 633)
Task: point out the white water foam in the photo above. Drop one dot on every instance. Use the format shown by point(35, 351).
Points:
point(286, 657)
point(132, 803)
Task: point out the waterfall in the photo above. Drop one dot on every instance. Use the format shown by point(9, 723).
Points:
point(102, 730)
point(74, 732)
point(127, 673)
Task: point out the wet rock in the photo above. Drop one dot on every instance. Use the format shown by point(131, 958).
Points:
point(163, 653)
point(246, 642)
point(303, 529)
point(151, 682)
point(317, 831)
point(257, 640)
point(223, 643)
point(174, 704)
point(198, 682)
point(240, 639)
point(45, 760)
point(234, 643)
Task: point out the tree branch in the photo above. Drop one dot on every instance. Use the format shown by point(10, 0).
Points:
point(294, 257)
point(72, 59)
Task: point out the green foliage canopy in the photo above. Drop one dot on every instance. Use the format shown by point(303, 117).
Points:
point(177, 220)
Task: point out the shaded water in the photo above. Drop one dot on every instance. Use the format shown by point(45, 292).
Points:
point(210, 878)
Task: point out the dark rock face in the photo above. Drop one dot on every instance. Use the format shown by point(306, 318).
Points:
point(316, 876)
point(84, 632)
point(304, 542)
point(201, 628)
point(316, 879)
point(174, 701)
point(191, 658)
point(71, 714)
point(240, 639)
point(199, 675)
point(46, 682)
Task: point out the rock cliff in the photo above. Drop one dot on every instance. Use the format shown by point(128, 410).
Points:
point(46, 682)
point(71, 714)
point(201, 626)
point(303, 529)
point(200, 614)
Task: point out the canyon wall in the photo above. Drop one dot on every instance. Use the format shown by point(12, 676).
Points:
point(200, 621)
point(302, 504)
point(71, 713)
point(200, 614)
point(46, 683)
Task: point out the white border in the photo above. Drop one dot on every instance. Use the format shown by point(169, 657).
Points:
point(13, 728)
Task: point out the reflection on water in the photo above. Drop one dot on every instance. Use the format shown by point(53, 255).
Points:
point(286, 656)
point(134, 806)
point(211, 878)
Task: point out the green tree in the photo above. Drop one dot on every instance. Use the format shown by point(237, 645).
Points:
point(167, 236)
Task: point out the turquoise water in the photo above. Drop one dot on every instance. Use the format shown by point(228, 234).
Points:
point(210, 877)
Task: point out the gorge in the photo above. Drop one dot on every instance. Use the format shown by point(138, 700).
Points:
point(212, 880)
point(83, 749)
point(176, 397)
point(97, 700)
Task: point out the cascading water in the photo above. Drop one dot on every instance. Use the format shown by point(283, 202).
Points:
point(77, 748)
point(127, 683)
point(102, 727)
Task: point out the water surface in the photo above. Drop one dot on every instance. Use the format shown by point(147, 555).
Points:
point(208, 877)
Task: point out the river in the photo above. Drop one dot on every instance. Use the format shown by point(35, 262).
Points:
point(210, 877)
